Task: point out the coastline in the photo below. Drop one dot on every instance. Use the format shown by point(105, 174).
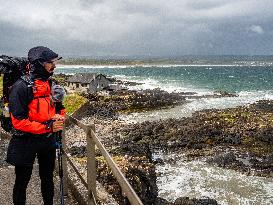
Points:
point(178, 60)
point(130, 142)
point(150, 65)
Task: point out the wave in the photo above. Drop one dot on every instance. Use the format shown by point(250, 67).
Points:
point(166, 85)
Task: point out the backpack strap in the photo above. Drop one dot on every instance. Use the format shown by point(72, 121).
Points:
point(28, 80)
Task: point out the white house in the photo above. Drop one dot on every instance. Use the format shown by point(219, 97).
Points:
point(88, 82)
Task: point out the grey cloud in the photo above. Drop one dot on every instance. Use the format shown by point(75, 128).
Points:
point(257, 29)
point(129, 27)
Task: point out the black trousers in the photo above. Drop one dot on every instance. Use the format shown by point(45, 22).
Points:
point(45, 150)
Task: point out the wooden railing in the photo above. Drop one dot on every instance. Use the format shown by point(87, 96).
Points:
point(92, 141)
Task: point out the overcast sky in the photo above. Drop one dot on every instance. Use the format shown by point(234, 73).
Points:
point(138, 27)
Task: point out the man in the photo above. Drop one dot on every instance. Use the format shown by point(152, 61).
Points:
point(35, 120)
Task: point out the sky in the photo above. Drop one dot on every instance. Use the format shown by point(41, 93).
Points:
point(148, 28)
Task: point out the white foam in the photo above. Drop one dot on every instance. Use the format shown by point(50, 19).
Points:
point(198, 179)
point(167, 85)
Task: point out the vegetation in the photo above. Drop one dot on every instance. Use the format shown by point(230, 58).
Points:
point(73, 102)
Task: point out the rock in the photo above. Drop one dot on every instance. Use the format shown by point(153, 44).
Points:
point(78, 151)
point(100, 110)
point(187, 201)
point(161, 201)
point(128, 83)
point(226, 160)
point(133, 149)
point(158, 161)
point(263, 165)
point(232, 138)
point(132, 101)
point(266, 135)
point(226, 94)
point(138, 171)
point(263, 105)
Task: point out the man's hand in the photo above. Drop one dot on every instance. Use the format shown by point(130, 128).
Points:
point(57, 125)
point(58, 117)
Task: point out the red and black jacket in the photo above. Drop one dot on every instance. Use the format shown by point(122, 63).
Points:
point(31, 106)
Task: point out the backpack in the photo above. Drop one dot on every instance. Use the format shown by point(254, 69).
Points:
point(13, 68)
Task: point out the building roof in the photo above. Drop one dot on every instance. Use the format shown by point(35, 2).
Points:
point(83, 77)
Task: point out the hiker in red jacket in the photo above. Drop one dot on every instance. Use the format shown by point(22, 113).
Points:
point(35, 119)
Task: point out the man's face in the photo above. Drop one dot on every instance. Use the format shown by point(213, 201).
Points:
point(50, 65)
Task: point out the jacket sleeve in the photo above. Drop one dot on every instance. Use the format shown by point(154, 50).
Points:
point(19, 98)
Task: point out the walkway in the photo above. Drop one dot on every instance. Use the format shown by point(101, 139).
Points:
point(33, 192)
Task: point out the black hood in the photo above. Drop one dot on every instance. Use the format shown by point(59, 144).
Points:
point(37, 71)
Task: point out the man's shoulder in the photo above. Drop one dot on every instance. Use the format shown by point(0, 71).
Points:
point(21, 84)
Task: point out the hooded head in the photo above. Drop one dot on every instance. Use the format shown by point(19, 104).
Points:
point(42, 54)
point(42, 60)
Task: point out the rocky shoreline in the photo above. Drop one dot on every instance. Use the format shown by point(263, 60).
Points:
point(238, 138)
point(248, 130)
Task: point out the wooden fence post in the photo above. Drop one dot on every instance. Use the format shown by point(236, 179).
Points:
point(64, 161)
point(91, 166)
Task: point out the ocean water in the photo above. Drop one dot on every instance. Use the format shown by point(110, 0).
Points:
point(206, 78)
point(250, 82)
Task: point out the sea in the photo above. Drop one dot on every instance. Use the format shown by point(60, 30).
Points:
point(251, 80)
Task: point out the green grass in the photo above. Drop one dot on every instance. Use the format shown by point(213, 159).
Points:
point(73, 102)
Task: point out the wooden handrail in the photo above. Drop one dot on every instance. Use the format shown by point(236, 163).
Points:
point(77, 122)
point(93, 140)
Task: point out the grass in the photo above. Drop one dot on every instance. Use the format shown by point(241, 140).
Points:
point(73, 102)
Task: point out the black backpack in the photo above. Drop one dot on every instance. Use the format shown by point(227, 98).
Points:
point(13, 68)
